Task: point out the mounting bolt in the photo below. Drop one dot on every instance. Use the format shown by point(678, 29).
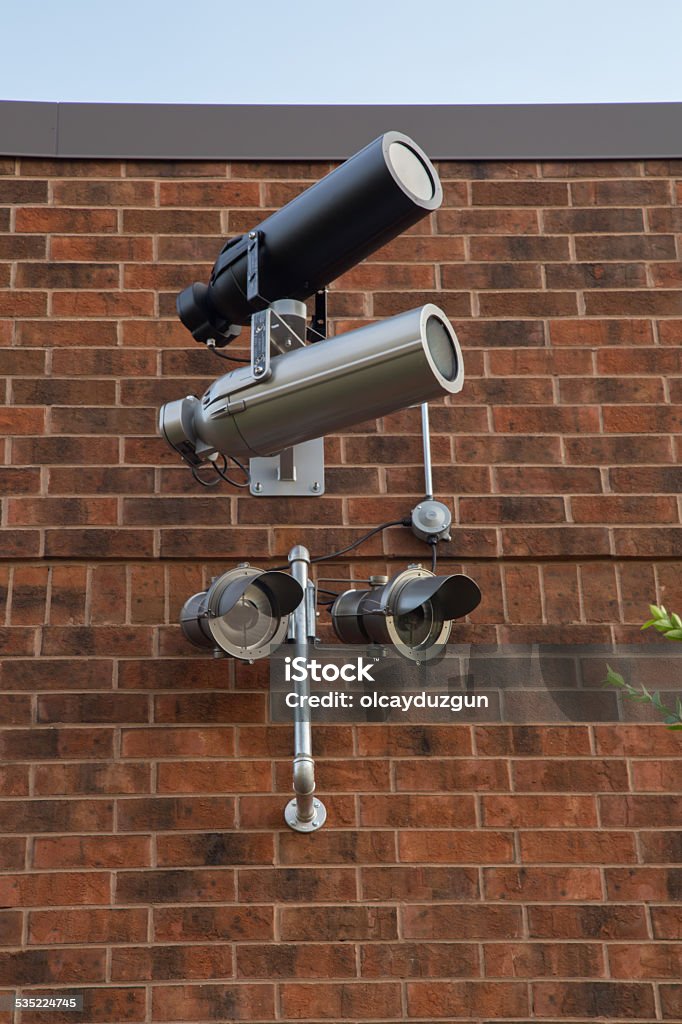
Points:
point(252, 234)
point(315, 486)
point(258, 487)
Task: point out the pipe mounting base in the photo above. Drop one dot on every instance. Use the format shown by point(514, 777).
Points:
point(317, 821)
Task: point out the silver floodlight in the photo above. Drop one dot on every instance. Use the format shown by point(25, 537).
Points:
point(319, 389)
point(245, 612)
point(412, 612)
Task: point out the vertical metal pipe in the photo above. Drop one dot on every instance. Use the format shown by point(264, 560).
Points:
point(304, 813)
point(426, 437)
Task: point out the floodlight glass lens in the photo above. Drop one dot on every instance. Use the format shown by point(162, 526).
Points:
point(415, 627)
point(411, 171)
point(250, 623)
point(441, 348)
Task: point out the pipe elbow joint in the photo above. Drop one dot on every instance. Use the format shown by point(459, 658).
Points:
point(304, 775)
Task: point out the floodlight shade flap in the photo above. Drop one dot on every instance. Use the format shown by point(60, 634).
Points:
point(452, 597)
point(283, 592)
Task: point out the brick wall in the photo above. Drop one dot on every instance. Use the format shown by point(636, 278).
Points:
point(465, 873)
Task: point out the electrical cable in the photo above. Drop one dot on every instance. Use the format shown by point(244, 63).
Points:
point(221, 474)
point(335, 554)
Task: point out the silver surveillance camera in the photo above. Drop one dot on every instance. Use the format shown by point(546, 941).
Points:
point(319, 389)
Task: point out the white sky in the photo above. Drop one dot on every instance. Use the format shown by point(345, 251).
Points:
point(350, 51)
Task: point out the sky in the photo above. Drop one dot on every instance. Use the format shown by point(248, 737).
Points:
point(350, 51)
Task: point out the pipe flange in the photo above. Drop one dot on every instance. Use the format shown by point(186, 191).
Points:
point(317, 821)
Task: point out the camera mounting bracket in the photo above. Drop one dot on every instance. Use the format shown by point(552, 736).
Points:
point(297, 471)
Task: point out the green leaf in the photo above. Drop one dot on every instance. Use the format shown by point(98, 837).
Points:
point(676, 621)
point(656, 612)
point(674, 727)
point(650, 622)
point(674, 634)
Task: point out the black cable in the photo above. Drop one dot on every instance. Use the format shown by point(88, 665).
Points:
point(355, 544)
point(228, 479)
point(335, 554)
point(434, 556)
point(200, 480)
point(221, 474)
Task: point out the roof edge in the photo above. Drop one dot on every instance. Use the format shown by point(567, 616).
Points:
point(174, 131)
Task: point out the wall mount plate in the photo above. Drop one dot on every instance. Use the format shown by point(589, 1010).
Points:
point(296, 472)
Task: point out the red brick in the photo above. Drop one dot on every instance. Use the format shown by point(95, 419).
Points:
point(573, 847)
point(538, 959)
point(40, 966)
point(666, 922)
point(215, 849)
point(525, 740)
point(207, 923)
point(180, 886)
point(296, 884)
point(451, 775)
point(92, 852)
point(167, 963)
point(166, 741)
point(615, 921)
point(660, 847)
point(423, 882)
point(662, 961)
point(452, 921)
point(214, 776)
point(93, 707)
point(455, 848)
point(45, 743)
point(539, 811)
point(61, 888)
point(57, 815)
point(160, 813)
point(288, 960)
point(91, 779)
point(434, 1000)
point(542, 883)
point(638, 811)
point(212, 1002)
point(657, 884)
point(61, 220)
point(593, 999)
point(589, 776)
point(419, 959)
point(103, 247)
point(338, 923)
point(337, 1001)
point(487, 222)
point(67, 607)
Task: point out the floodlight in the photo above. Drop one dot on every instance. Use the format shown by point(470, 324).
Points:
point(412, 612)
point(319, 389)
point(370, 199)
point(245, 612)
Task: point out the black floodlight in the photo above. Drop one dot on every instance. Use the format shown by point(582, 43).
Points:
point(245, 612)
point(412, 612)
point(366, 202)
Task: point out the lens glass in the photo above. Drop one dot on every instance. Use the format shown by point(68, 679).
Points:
point(411, 171)
point(249, 623)
point(441, 347)
point(415, 627)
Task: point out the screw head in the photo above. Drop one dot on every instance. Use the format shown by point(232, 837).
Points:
point(258, 487)
point(315, 486)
